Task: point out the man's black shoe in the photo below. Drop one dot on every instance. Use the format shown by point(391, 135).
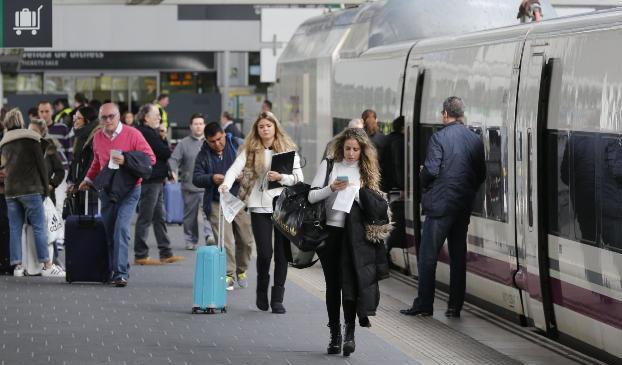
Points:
point(452, 313)
point(416, 312)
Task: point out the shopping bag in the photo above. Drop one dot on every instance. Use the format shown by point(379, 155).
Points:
point(54, 221)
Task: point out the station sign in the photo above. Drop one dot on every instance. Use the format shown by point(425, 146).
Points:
point(26, 23)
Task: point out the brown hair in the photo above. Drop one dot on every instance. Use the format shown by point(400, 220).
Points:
point(368, 162)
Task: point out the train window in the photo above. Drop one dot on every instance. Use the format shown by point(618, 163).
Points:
point(560, 217)
point(611, 192)
point(581, 164)
point(496, 177)
point(479, 203)
point(339, 124)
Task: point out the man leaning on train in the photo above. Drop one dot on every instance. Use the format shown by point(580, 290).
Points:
point(451, 175)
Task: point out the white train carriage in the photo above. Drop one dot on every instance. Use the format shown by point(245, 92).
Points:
point(545, 239)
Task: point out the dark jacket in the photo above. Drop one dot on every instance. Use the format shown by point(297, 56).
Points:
point(161, 151)
point(53, 164)
point(392, 163)
point(379, 140)
point(23, 164)
point(117, 183)
point(82, 152)
point(454, 169)
point(234, 131)
point(369, 261)
point(207, 164)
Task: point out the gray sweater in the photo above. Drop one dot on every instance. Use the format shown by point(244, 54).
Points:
point(182, 161)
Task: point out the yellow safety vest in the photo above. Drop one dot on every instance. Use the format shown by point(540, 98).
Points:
point(63, 113)
point(163, 114)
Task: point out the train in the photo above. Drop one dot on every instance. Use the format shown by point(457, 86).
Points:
point(545, 236)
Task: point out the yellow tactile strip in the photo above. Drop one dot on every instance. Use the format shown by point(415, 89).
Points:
point(422, 338)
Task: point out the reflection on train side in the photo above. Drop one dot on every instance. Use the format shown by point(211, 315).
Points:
point(584, 187)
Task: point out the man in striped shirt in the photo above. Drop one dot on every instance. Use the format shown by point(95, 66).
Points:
point(59, 131)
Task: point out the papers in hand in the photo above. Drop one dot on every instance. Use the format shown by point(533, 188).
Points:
point(345, 199)
point(230, 206)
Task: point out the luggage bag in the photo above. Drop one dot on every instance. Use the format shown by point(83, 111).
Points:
point(173, 203)
point(86, 248)
point(5, 237)
point(210, 272)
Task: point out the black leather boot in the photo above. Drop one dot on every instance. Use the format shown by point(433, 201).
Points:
point(334, 346)
point(348, 344)
point(262, 294)
point(276, 301)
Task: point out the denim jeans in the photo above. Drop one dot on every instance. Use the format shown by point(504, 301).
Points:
point(117, 218)
point(435, 230)
point(30, 206)
point(192, 205)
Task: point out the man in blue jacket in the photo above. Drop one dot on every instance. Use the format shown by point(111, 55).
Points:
point(453, 171)
point(216, 156)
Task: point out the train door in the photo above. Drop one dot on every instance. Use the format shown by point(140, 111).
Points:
point(413, 90)
point(532, 244)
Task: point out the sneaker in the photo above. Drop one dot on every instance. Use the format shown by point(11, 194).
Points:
point(18, 271)
point(172, 259)
point(230, 283)
point(242, 280)
point(54, 271)
point(147, 261)
point(210, 241)
point(119, 283)
point(191, 247)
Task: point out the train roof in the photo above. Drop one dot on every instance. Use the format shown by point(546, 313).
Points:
point(564, 25)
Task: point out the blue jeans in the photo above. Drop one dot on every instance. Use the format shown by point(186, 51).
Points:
point(117, 218)
point(30, 206)
point(435, 231)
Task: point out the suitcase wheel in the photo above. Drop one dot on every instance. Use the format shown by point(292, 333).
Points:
point(195, 310)
point(223, 310)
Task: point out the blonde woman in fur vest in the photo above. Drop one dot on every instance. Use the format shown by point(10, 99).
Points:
point(252, 165)
point(354, 257)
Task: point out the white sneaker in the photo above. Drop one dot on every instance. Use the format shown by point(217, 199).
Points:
point(191, 247)
point(54, 271)
point(18, 271)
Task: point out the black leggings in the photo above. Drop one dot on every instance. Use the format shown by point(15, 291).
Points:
point(330, 257)
point(262, 231)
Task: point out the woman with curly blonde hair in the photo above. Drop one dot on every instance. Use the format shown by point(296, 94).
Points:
point(353, 258)
point(266, 138)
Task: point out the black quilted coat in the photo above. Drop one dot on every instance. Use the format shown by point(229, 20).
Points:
point(369, 260)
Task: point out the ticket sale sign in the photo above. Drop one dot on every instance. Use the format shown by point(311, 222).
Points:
point(26, 23)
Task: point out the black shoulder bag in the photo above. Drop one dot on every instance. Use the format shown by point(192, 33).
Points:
point(303, 223)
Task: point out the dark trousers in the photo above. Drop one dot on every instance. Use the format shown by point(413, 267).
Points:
point(151, 213)
point(330, 257)
point(435, 231)
point(261, 224)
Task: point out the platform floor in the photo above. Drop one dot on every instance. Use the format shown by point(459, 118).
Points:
point(47, 321)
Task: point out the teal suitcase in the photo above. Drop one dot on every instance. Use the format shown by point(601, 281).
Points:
point(210, 284)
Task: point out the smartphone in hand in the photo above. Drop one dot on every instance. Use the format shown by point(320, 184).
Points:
point(342, 178)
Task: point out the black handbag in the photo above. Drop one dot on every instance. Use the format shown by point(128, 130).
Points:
point(303, 223)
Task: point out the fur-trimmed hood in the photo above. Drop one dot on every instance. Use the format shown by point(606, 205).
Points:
point(15, 134)
point(378, 218)
point(52, 145)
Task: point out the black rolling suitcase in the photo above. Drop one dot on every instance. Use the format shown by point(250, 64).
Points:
point(5, 251)
point(86, 248)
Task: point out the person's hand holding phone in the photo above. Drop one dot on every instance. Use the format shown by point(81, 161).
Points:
point(340, 183)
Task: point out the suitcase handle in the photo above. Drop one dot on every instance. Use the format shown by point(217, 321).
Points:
point(86, 205)
point(221, 226)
